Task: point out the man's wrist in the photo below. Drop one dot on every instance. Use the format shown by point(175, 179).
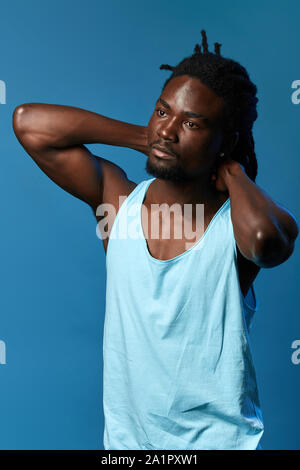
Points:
point(233, 169)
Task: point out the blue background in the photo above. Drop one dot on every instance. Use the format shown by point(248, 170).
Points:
point(105, 57)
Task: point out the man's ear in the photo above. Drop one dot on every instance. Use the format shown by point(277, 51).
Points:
point(234, 141)
point(230, 143)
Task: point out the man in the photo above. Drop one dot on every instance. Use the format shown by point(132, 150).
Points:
point(178, 370)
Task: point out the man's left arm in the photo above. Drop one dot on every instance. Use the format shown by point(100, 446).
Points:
point(265, 231)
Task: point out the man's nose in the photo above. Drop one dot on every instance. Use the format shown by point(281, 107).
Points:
point(168, 130)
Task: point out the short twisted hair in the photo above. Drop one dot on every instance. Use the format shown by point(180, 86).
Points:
point(229, 80)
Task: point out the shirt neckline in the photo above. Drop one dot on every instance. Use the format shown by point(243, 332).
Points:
point(165, 261)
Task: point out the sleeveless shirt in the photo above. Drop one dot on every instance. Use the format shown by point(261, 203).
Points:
point(178, 372)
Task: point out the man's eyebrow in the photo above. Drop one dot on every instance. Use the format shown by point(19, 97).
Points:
point(187, 113)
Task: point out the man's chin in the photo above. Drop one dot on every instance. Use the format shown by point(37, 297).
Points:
point(169, 172)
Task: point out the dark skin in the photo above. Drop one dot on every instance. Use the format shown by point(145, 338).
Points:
point(54, 136)
point(195, 142)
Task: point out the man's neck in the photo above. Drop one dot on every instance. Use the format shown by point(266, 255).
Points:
point(191, 192)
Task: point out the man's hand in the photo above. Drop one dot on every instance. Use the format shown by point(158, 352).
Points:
point(218, 177)
point(264, 230)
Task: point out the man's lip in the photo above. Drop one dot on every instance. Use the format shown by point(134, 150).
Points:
point(162, 153)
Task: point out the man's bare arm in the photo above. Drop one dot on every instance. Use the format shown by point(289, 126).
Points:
point(54, 136)
point(265, 231)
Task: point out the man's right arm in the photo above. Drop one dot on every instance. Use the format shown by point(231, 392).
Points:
point(54, 136)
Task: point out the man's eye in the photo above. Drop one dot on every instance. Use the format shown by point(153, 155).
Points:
point(158, 109)
point(190, 122)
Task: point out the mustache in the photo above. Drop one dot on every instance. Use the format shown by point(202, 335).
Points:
point(164, 148)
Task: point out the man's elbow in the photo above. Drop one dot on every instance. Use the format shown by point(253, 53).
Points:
point(273, 249)
point(23, 125)
point(20, 118)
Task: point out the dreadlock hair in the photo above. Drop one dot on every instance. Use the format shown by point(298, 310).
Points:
point(229, 80)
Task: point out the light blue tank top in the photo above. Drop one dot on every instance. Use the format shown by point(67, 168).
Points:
point(177, 363)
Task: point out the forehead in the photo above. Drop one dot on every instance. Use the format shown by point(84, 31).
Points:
point(185, 93)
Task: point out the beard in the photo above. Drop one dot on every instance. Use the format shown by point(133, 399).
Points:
point(167, 170)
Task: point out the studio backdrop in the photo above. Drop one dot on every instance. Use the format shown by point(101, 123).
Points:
point(105, 57)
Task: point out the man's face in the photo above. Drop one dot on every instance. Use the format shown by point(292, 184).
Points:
point(194, 141)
